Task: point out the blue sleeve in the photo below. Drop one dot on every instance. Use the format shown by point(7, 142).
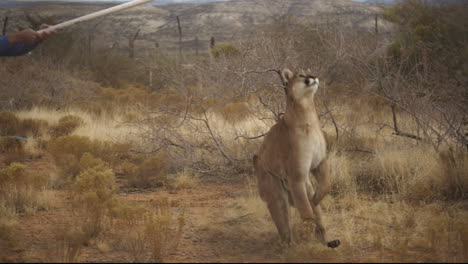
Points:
point(16, 50)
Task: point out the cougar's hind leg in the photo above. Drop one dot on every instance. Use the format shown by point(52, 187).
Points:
point(276, 198)
point(322, 175)
point(320, 229)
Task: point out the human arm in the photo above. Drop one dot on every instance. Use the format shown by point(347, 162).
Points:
point(22, 42)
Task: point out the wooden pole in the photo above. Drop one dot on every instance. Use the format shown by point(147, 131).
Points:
point(98, 14)
point(180, 37)
point(5, 24)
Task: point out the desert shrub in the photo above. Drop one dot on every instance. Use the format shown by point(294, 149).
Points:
point(88, 161)
point(225, 50)
point(9, 124)
point(235, 112)
point(68, 151)
point(151, 172)
point(94, 190)
point(20, 189)
point(66, 125)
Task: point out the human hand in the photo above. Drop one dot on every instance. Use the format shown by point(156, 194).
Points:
point(46, 34)
point(27, 36)
point(31, 37)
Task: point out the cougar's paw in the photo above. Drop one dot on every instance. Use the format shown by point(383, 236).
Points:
point(334, 243)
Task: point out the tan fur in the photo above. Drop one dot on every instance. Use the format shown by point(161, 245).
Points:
point(293, 148)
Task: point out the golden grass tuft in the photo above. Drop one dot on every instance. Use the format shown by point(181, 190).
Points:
point(149, 234)
point(185, 179)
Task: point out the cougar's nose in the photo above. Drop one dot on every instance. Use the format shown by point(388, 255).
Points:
point(312, 81)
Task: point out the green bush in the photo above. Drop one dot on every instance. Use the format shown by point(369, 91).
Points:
point(431, 33)
point(224, 50)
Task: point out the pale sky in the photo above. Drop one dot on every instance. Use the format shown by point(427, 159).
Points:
point(71, 0)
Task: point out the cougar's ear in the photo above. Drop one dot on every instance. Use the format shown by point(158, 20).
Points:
point(286, 75)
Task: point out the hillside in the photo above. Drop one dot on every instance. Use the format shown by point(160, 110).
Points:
point(226, 21)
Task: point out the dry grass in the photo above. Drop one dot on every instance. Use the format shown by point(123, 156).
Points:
point(185, 180)
point(102, 128)
point(149, 235)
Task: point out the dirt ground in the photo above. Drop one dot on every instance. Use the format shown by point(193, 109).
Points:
point(224, 223)
point(38, 233)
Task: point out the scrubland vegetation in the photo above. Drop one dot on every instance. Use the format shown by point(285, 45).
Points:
point(102, 161)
